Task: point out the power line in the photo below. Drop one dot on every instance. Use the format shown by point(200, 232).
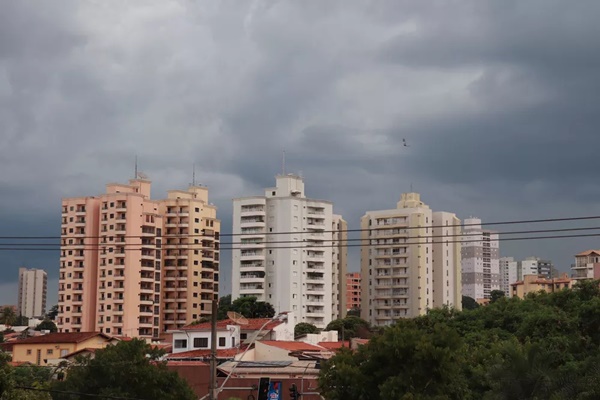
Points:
point(361, 245)
point(198, 246)
point(532, 221)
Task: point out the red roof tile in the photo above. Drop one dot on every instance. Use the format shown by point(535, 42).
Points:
point(291, 346)
point(335, 345)
point(254, 324)
point(587, 253)
point(200, 353)
point(193, 363)
point(71, 337)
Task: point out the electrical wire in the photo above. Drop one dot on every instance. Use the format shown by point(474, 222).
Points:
point(531, 221)
point(313, 247)
point(193, 246)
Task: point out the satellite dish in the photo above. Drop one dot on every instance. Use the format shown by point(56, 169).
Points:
point(237, 318)
point(142, 175)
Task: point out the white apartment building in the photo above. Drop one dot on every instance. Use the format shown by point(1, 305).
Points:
point(480, 261)
point(32, 292)
point(508, 274)
point(404, 273)
point(285, 254)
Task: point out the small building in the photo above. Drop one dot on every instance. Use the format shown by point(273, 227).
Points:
point(39, 350)
point(535, 283)
point(587, 265)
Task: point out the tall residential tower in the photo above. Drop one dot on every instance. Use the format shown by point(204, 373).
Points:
point(407, 266)
point(32, 292)
point(289, 255)
point(480, 261)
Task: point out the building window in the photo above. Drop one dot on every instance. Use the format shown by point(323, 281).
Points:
point(232, 342)
point(49, 351)
point(180, 343)
point(243, 336)
point(201, 342)
point(221, 342)
point(28, 352)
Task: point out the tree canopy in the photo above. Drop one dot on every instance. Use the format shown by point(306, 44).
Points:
point(8, 316)
point(46, 325)
point(128, 369)
point(349, 327)
point(249, 307)
point(546, 346)
point(53, 313)
point(303, 328)
point(469, 303)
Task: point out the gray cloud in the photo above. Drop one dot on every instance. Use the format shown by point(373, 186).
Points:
point(498, 101)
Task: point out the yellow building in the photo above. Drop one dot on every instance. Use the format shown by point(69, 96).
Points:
point(533, 284)
point(39, 349)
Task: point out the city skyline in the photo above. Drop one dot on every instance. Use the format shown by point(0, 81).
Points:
point(491, 116)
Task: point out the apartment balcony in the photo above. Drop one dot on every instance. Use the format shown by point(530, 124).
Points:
point(259, 212)
point(315, 289)
point(311, 256)
point(315, 313)
point(252, 245)
point(315, 301)
point(248, 255)
point(252, 222)
point(252, 278)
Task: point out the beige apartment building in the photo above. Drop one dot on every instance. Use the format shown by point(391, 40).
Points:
point(191, 256)
point(339, 230)
point(403, 273)
point(32, 292)
point(535, 283)
point(112, 277)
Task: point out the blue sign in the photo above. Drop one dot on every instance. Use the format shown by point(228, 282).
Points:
point(275, 390)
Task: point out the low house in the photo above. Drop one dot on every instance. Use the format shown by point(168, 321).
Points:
point(534, 283)
point(232, 334)
point(39, 350)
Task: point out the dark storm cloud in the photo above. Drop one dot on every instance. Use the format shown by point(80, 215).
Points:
point(497, 100)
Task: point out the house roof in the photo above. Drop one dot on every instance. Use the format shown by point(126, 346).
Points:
point(81, 351)
point(254, 324)
point(587, 253)
point(291, 346)
point(335, 345)
point(70, 337)
point(305, 368)
point(205, 353)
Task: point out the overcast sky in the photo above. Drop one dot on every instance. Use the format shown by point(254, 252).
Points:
point(499, 102)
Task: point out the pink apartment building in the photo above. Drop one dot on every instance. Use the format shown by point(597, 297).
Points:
point(117, 262)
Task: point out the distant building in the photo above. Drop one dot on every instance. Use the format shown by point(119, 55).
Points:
point(480, 260)
point(587, 265)
point(508, 274)
point(339, 258)
point(404, 271)
point(286, 256)
point(32, 292)
point(353, 282)
point(534, 283)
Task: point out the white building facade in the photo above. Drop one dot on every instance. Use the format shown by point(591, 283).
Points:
point(285, 256)
point(508, 274)
point(480, 260)
point(32, 292)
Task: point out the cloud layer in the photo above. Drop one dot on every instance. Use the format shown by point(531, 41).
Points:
point(498, 101)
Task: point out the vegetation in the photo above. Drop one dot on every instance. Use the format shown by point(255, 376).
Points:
point(355, 312)
point(249, 307)
point(8, 316)
point(303, 328)
point(469, 303)
point(224, 307)
point(53, 313)
point(546, 346)
point(128, 369)
point(12, 378)
point(46, 325)
point(350, 327)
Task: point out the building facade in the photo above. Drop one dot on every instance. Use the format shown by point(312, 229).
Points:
point(114, 251)
point(480, 261)
point(285, 256)
point(353, 292)
point(534, 283)
point(401, 278)
point(339, 230)
point(32, 293)
point(587, 265)
point(508, 274)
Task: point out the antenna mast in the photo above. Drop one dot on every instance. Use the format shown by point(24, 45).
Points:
point(283, 162)
point(135, 172)
point(194, 174)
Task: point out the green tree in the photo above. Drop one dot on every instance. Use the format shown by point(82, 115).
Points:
point(354, 312)
point(21, 320)
point(127, 369)
point(8, 316)
point(31, 377)
point(224, 307)
point(303, 328)
point(350, 327)
point(496, 295)
point(53, 313)
point(46, 325)
point(250, 308)
point(469, 303)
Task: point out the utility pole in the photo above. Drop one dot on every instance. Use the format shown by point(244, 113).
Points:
point(213, 387)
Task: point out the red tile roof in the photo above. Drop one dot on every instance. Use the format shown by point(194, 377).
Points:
point(84, 350)
point(335, 345)
point(185, 363)
point(201, 353)
point(292, 346)
point(71, 337)
point(254, 324)
point(587, 253)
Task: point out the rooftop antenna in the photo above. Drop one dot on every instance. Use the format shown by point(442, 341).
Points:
point(411, 187)
point(283, 163)
point(135, 172)
point(194, 174)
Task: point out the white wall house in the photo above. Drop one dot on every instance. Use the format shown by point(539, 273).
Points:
point(186, 340)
